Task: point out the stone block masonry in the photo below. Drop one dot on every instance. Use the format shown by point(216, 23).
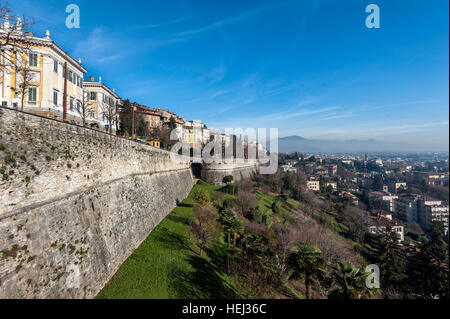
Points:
point(75, 203)
point(215, 173)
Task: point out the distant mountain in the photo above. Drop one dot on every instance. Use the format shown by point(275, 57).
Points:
point(300, 144)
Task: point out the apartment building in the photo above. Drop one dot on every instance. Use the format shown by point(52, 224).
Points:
point(432, 210)
point(382, 200)
point(38, 75)
point(406, 207)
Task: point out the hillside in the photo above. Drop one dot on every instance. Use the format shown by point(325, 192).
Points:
point(170, 264)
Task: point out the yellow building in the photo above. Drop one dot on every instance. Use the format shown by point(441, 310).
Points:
point(52, 74)
point(154, 143)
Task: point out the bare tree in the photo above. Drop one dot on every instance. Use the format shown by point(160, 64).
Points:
point(162, 133)
point(84, 108)
point(109, 111)
point(203, 226)
point(24, 82)
point(12, 36)
point(246, 201)
point(15, 49)
point(286, 239)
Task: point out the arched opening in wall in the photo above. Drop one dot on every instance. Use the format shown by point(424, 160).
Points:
point(196, 170)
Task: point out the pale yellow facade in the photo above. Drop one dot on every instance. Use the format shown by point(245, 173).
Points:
point(46, 64)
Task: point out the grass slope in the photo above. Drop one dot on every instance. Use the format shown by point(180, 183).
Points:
point(167, 266)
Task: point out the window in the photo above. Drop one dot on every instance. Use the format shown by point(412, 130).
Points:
point(55, 66)
point(32, 95)
point(33, 60)
point(71, 103)
point(91, 114)
point(93, 96)
point(70, 76)
point(79, 107)
point(55, 97)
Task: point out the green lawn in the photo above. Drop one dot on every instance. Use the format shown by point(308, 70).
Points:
point(167, 266)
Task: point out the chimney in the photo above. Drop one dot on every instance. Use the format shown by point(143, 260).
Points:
point(6, 23)
point(100, 79)
point(114, 90)
point(47, 34)
point(79, 60)
point(91, 79)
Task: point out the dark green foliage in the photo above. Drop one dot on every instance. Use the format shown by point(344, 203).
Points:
point(255, 269)
point(306, 263)
point(378, 182)
point(232, 225)
point(125, 116)
point(350, 281)
point(386, 252)
point(430, 272)
point(229, 202)
point(276, 207)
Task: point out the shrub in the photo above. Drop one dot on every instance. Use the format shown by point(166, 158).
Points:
point(228, 179)
point(276, 207)
point(201, 196)
point(229, 202)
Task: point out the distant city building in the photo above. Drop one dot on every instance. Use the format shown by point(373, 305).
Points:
point(347, 162)
point(381, 200)
point(396, 187)
point(405, 207)
point(347, 195)
point(379, 162)
point(432, 210)
point(288, 168)
point(332, 169)
point(313, 184)
point(380, 223)
point(332, 184)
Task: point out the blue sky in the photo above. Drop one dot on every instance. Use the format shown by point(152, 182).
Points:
point(309, 68)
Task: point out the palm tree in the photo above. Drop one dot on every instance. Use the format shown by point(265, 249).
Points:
point(232, 225)
point(306, 262)
point(350, 281)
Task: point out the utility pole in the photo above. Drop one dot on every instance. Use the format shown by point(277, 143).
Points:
point(65, 93)
point(132, 122)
